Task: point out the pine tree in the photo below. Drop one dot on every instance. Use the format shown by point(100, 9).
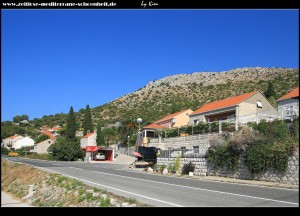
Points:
point(100, 137)
point(88, 121)
point(71, 125)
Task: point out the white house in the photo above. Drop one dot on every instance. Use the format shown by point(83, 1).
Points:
point(10, 142)
point(42, 147)
point(88, 140)
point(17, 142)
point(288, 104)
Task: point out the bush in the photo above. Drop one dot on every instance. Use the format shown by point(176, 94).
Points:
point(172, 168)
point(242, 139)
point(4, 151)
point(66, 150)
point(224, 156)
point(177, 163)
point(262, 155)
point(189, 167)
point(162, 167)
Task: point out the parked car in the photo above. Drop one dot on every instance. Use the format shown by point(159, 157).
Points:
point(100, 156)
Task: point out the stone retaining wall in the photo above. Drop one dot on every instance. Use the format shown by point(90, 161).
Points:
point(200, 164)
point(290, 177)
point(202, 168)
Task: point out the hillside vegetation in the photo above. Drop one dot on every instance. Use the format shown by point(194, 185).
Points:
point(182, 91)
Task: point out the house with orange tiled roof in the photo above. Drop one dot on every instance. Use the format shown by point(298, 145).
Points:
point(48, 133)
point(42, 147)
point(288, 104)
point(17, 142)
point(88, 140)
point(173, 120)
point(230, 109)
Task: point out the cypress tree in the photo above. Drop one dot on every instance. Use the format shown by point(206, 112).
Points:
point(100, 137)
point(88, 121)
point(270, 91)
point(71, 125)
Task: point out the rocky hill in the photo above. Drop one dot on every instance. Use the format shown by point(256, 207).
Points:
point(182, 91)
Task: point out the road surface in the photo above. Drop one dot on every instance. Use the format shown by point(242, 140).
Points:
point(166, 191)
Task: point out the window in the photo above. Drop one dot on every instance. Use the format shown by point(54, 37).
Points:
point(196, 149)
point(289, 110)
point(196, 122)
point(169, 125)
point(183, 150)
point(259, 104)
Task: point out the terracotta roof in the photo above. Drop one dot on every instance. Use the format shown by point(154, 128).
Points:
point(90, 134)
point(49, 134)
point(154, 126)
point(43, 141)
point(223, 103)
point(291, 94)
point(12, 137)
point(170, 116)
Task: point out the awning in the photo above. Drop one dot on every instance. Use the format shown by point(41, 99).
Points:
point(92, 148)
point(136, 154)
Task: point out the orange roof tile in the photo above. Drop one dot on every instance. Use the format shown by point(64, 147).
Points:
point(43, 141)
point(12, 137)
point(223, 103)
point(90, 134)
point(154, 126)
point(49, 134)
point(291, 94)
point(170, 116)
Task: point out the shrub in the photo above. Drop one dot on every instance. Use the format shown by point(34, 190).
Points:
point(223, 156)
point(4, 151)
point(172, 168)
point(216, 140)
point(162, 167)
point(242, 139)
point(262, 155)
point(189, 167)
point(177, 163)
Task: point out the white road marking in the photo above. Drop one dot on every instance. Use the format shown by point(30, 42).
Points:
point(146, 197)
point(253, 197)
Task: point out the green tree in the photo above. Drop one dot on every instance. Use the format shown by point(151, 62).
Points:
point(71, 125)
point(270, 90)
point(88, 121)
point(41, 138)
point(129, 126)
point(100, 138)
point(19, 118)
point(65, 149)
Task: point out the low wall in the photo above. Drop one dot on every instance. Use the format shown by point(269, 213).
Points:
point(203, 168)
point(176, 142)
point(290, 177)
point(200, 164)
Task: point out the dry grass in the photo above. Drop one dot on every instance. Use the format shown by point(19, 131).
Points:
point(55, 189)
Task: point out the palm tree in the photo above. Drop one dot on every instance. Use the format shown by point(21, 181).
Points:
point(129, 126)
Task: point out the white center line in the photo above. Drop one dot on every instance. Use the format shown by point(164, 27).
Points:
point(233, 194)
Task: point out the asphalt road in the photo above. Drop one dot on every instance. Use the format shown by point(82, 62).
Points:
point(166, 191)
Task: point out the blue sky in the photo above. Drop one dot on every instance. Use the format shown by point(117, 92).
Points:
point(54, 59)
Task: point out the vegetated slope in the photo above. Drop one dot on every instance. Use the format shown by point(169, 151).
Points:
point(182, 91)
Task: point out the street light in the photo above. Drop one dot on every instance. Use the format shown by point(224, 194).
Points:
point(128, 145)
point(139, 121)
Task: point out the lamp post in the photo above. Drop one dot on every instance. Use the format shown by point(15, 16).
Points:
point(128, 145)
point(139, 121)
